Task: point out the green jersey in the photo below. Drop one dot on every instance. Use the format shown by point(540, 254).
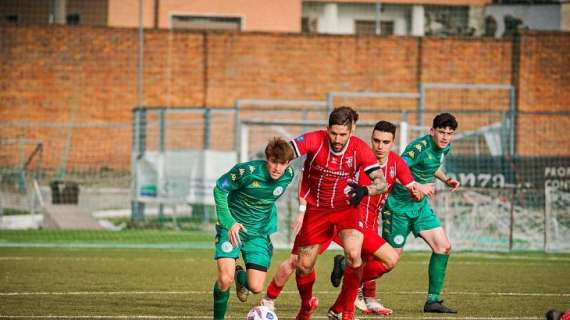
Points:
point(424, 158)
point(247, 194)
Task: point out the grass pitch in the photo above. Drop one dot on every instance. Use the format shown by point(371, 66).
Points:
point(40, 277)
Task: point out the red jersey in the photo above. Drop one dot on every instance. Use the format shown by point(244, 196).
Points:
point(327, 172)
point(395, 168)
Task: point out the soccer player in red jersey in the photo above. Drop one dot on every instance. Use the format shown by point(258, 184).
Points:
point(379, 256)
point(334, 156)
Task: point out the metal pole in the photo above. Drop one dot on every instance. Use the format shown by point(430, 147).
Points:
point(378, 13)
point(140, 66)
point(207, 120)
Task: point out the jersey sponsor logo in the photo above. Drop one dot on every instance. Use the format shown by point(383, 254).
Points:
point(399, 239)
point(227, 246)
point(278, 191)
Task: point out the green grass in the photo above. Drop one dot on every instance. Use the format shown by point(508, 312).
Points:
point(176, 283)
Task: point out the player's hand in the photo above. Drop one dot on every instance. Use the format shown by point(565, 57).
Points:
point(452, 183)
point(233, 234)
point(427, 189)
point(297, 223)
point(416, 194)
point(356, 193)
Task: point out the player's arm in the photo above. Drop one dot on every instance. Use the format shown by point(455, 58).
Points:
point(303, 192)
point(405, 178)
point(449, 181)
point(379, 184)
point(228, 182)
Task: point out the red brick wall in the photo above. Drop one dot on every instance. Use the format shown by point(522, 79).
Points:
point(87, 75)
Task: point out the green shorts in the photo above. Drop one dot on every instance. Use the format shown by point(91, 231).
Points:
point(397, 225)
point(255, 250)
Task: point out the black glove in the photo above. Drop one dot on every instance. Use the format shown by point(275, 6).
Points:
point(357, 193)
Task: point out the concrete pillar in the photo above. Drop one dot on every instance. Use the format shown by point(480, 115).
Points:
point(418, 20)
point(330, 19)
point(59, 11)
point(400, 27)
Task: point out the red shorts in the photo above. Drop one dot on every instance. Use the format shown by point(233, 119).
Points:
point(324, 246)
point(320, 226)
point(372, 242)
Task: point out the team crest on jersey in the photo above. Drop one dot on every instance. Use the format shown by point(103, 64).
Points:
point(392, 172)
point(227, 246)
point(349, 161)
point(411, 154)
point(278, 191)
point(399, 239)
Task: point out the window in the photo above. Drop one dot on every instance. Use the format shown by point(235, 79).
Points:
point(309, 24)
point(369, 27)
point(206, 23)
point(73, 19)
point(12, 18)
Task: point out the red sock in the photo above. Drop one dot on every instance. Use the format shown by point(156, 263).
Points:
point(305, 287)
point(350, 284)
point(369, 289)
point(273, 290)
point(373, 269)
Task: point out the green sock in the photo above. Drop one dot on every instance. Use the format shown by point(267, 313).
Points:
point(436, 274)
point(220, 302)
point(241, 277)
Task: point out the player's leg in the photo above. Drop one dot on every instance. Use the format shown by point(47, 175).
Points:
point(257, 253)
point(429, 228)
point(305, 277)
point(284, 272)
point(351, 236)
point(221, 290)
point(225, 255)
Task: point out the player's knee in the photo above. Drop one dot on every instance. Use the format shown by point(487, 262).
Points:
point(391, 261)
point(303, 269)
point(255, 287)
point(447, 249)
point(353, 259)
point(224, 282)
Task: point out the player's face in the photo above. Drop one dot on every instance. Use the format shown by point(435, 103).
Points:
point(338, 136)
point(276, 168)
point(381, 143)
point(442, 136)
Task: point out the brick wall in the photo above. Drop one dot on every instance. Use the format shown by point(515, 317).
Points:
point(55, 75)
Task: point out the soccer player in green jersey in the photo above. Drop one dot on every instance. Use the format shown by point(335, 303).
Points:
point(245, 200)
point(402, 215)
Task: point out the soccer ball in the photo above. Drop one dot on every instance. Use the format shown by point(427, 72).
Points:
point(261, 313)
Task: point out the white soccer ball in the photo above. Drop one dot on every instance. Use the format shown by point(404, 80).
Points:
point(261, 313)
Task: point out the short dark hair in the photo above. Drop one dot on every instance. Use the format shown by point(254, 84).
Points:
point(444, 120)
point(279, 150)
point(344, 116)
point(385, 126)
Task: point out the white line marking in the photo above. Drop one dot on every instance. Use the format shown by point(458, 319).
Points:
point(461, 293)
